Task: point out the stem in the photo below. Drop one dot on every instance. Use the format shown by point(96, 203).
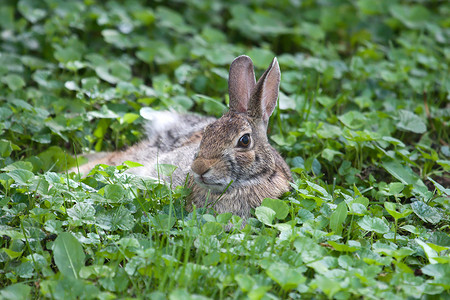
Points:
point(395, 230)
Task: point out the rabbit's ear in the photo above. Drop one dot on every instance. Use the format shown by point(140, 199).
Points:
point(264, 96)
point(241, 83)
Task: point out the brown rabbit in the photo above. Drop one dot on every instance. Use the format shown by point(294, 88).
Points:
point(235, 147)
point(234, 166)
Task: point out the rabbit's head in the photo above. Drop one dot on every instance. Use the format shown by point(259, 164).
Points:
point(234, 149)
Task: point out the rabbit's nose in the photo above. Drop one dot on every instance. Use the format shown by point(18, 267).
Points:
point(201, 166)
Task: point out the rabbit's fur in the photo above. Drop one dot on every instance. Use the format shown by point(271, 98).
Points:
point(172, 139)
point(229, 172)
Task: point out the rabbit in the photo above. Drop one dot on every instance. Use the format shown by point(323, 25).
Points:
point(232, 165)
point(234, 153)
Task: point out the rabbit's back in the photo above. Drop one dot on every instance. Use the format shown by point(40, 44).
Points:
point(167, 130)
point(172, 138)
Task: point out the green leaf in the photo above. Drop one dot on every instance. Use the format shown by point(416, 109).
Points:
point(409, 121)
point(156, 52)
point(437, 248)
point(305, 215)
point(18, 165)
point(285, 276)
point(117, 218)
point(68, 255)
point(437, 270)
point(163, 222)
point(12, 254)
point(374, 224)
point(114, 192)
point(71, 288)
point(67, 54)
point(342, 247)
point(5, 113)
point(17, 291)
point(31, 10)
point(391, 209)
point(114, 72)
point(245, 282)
point(329, 154)
point(181, 102)
point(90, 83)
point(71, 85)
point(265, 214)
point(329, 286)
point(357, 209)
point(13, 81)
point(212, 228)
point(440, 187)
point(396, 188)
point(5, 148)
point(112, 36)
point(320, 190)
point(21, 176)
point(298, 162)
point(103, 113)
point(429, 252)
point(440, 238)
point(338, 217)
point(224, 218)
point(100, 131)
point(56, 128)
point(405, 175)
point(184, 73)
point(132, 164)
point(209, 218)
point(210, 105)
point(172, 19)
point(411, 228)
point(444, 164)
point(353, 119)
point(212, 258)
point(412, 16)
point(7, 17)
point(55, 156)
point(129, 118)
point(315, 166)
point(261, 57)
point(280, 207)
point(146, 16)
point(402, 253)
point(425, 212)
point(82, 211)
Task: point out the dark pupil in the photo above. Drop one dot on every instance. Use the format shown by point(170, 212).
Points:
point(244, 140)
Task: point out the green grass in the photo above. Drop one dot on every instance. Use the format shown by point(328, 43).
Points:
point(363, 122)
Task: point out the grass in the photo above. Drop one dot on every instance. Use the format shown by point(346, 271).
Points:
point(362, 121)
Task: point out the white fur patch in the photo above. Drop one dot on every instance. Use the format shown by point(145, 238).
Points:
point(159, 121)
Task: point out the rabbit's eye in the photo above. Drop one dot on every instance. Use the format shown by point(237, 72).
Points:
point(244, 141)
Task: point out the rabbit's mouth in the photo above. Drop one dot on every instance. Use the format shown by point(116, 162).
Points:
point(210, 183)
